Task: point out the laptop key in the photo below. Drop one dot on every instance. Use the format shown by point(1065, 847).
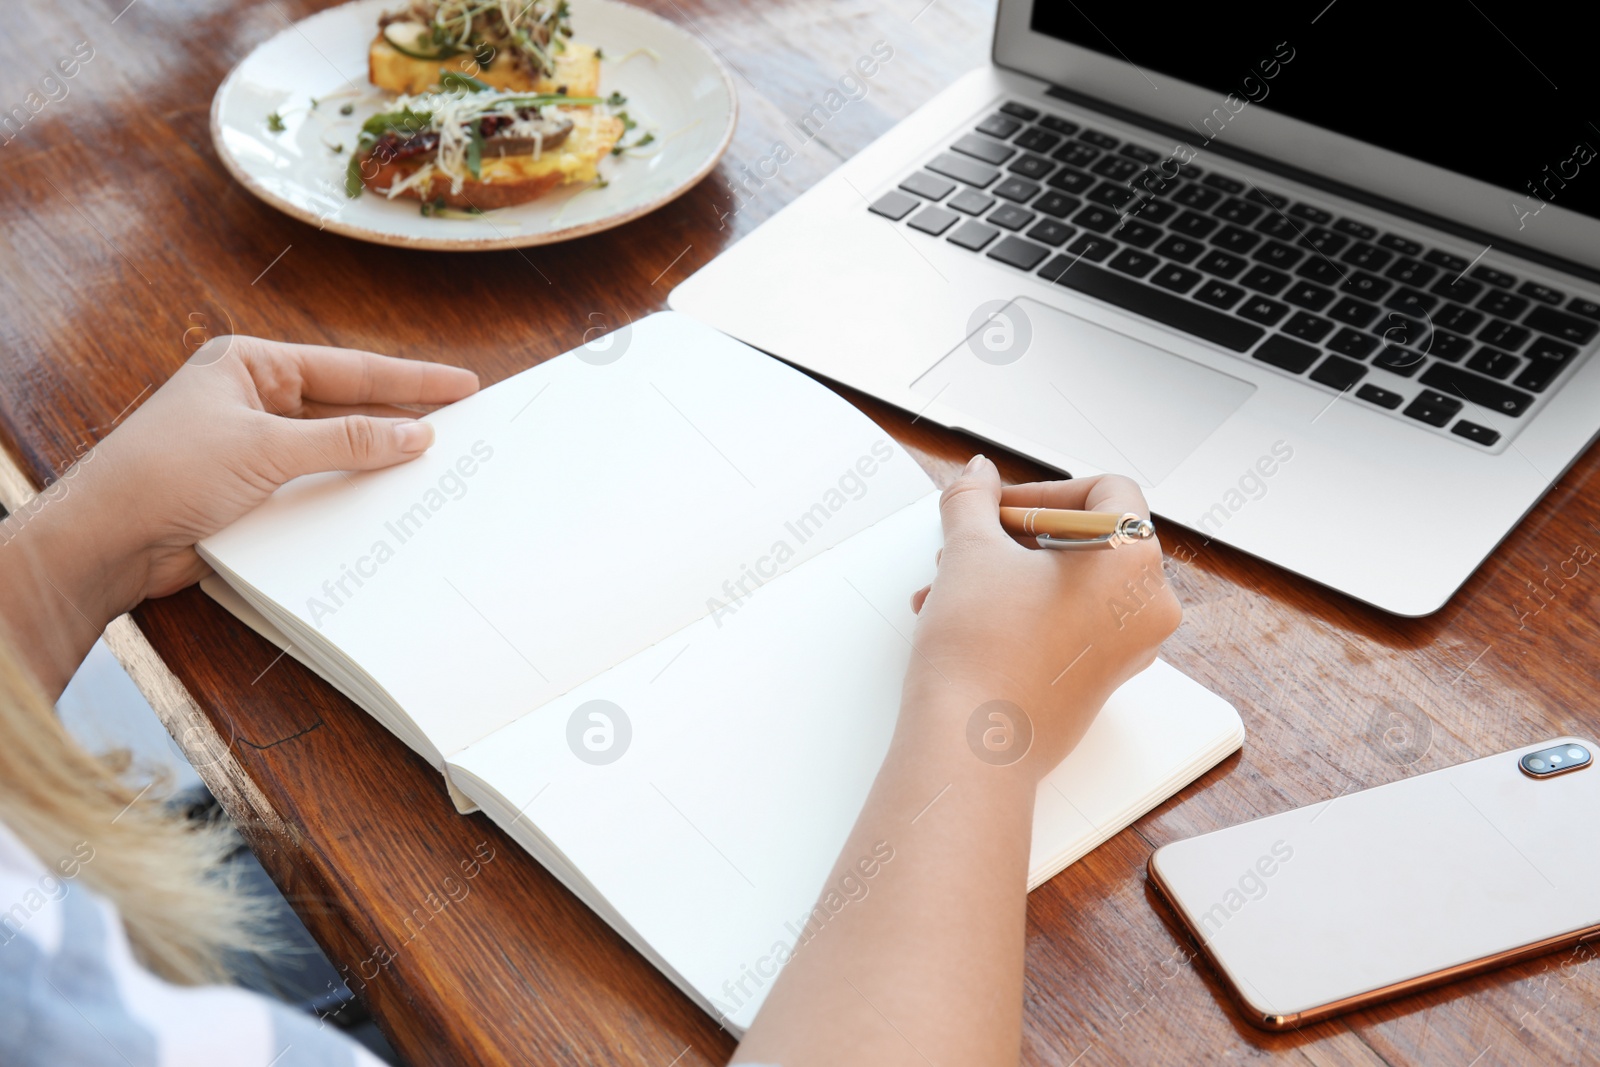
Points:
point(1021, 111)
point(1460, 290)
point(1324, 240)
point(1494, 363)
point(1411, 303)
point(1001, 126)
point(1367, 257)
point(1446, 260)
point(1138, 234)
point(1278, 227)
point(1069, 180)
point(1260, 309)
point(1397, 360)
point(1016, 189)
point(1057, 205)
point(1056, 124)
point(1237, 211)
point(1184, 315)
point(1157, 211)
point(1435, 409)
point(1274, 254)
point(1479, 390)
point(1231, 186)
point(1233, 239)
point(971, 202)
point(1353, 343)
point(1359, 230)
point(933, 220)
point(1276, 201)
point(1409, 272)
point(1313, 215)
point(1218, 295)
point(1075, 154)
point(1182, 249)
point(1196, 196)
point(1092, 248)
point(1505, 305)
point(1353, 311)
point(985, 148)
point(1053, 233)
point(894, 205)
point(1306, 295)
point(1565, 327)
point(1286, 354)
point(1033, 139)
point(1395, 243)
point(973, 235)
point(1219, 263)
point(1131, 261)
point(1306, 326)
point(1449, 346)
point(1024, 255)
point(1139, 152)
point(1059, 264)
point(1193, 224)
point(1504, 335)
point(1494, 277)
point(1112, 195)
point(1339, 373)
point(1479, 435)
point(1178, 279)
point(1031, 166)
point(1098, 219)
point(1375, 394)
point(1542, 293)
point(928, 186)
point(1010, 217)
point(1587, 308)
point(1117, 168)
point(1264, 280)
point(1538, 374)
point(1098, 139)
point(1545, 348)
point(1457, 318)
point(1323, 272)
point(963, 169)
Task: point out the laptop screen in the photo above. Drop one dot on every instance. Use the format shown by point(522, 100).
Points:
point(1500, 92)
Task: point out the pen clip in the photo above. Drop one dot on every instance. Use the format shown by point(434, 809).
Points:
point(1131, 528)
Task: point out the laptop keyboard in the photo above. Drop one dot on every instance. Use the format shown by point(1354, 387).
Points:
point(1319, 297)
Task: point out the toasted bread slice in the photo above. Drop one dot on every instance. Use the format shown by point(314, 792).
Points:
point(507, 180)
point(577, 71)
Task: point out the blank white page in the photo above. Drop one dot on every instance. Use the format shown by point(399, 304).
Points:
point(755, 739)
point(566, 519)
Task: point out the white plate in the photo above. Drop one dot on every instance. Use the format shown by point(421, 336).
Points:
point(676, 89)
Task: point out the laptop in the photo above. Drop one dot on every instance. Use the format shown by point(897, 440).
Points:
point(1325, 284)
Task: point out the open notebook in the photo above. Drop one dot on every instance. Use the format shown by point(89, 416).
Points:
point(648, 606)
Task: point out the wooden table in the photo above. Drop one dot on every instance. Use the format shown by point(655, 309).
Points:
point(121, 231)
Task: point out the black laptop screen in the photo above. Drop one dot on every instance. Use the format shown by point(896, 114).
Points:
point(1499, 91)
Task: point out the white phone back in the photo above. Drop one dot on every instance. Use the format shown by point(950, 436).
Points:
point(1377, 892)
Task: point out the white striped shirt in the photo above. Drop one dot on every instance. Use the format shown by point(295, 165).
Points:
point(71, 991)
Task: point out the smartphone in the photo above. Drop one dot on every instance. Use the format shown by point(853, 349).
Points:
point(1385, 891)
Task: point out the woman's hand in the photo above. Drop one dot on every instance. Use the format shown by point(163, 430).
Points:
point(1049, 632)
point(242, 417)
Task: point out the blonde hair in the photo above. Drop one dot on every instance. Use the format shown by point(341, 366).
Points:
point(180, 901)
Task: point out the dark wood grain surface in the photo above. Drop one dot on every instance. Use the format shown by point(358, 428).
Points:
point(120, 231)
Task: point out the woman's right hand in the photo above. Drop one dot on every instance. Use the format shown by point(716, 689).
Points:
point(1052, 633)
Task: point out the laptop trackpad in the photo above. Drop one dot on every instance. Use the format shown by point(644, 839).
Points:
point(1078, 388)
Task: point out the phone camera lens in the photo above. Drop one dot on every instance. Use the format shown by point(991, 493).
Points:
point(1535, 763)
point(1576, 753)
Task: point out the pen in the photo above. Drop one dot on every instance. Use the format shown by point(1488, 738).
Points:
point(1057, 528)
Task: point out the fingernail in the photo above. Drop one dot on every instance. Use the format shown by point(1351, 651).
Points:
point(972, 464)
point(413, 436)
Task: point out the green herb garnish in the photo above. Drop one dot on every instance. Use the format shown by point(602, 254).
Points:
point(454, 81)
point(275, 123)
point(616, 99)
point(348, 109)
